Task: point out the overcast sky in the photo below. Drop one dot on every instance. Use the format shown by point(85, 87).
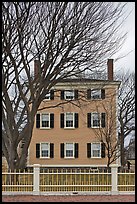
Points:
point(128, 62)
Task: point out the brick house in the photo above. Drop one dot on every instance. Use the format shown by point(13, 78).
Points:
point(64, 135)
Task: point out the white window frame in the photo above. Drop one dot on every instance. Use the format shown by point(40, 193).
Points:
point(92, 120)
point(65, 144)
point(66, 117)
point(41, 121)
point(95, 149)
point(41, 150)
point(67, 92)
point(94, 93)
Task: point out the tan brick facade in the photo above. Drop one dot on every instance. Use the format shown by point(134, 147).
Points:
point(81, 135)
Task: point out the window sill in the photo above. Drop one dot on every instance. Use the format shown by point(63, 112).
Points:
point(42, 128)
point(69, 128)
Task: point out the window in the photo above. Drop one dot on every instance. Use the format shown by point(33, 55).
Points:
point(96, 150)
point(69, 95)
point(45, 120)
point(69, 150)
point(47, 97)
point(69, 120)
point(96, 94)
point(50, 95)
point(44, 150)
point(96, 120)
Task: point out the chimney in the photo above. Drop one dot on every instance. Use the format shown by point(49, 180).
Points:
point(110, 69)
point(37, 67)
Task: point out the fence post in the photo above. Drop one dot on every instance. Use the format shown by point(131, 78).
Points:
point(36, 172)
point(114, 178)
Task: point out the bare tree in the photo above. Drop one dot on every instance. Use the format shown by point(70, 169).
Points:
point(126, 110)
point(67, 38)
point(108, 135)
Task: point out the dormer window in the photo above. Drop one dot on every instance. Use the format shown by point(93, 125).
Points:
point(96, 94)
point(69, 94)
point(50, 95)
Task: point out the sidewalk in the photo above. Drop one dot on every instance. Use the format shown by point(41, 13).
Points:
point(69, 198)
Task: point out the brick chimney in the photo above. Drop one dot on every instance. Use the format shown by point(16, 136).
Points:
point(37, 67)
point(110, 69)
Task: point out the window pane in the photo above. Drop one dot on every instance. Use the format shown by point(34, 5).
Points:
point(69, 146)
point(44, 153)
point(69, 116)
point(69, 153)
point(96, 146)
point(44, 146)
point(96, 153)
point(45, 117)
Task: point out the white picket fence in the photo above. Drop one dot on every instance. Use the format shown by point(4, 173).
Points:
point(42, 180)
